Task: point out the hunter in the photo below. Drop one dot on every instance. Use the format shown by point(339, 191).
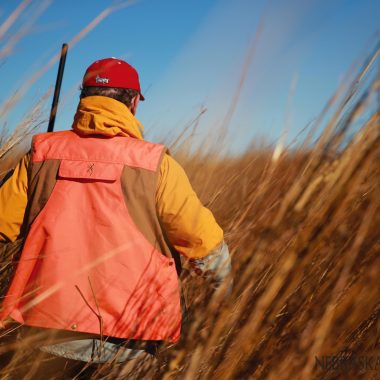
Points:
point(100, 216)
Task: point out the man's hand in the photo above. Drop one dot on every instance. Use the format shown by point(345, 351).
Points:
point(215, 266)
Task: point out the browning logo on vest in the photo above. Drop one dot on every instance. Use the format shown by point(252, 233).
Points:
point(90, 169)
point(95, 259)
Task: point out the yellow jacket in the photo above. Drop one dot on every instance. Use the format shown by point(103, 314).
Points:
point(190, 227)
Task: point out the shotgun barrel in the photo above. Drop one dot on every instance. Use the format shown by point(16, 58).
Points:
point(57, 90)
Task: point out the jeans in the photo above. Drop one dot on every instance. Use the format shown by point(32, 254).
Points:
point(92, 350)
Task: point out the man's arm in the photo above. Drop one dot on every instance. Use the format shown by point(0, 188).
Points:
point(190, 227)
point(13, 200)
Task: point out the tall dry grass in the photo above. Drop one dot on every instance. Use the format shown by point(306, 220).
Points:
point(304, 233)
point(303, 229)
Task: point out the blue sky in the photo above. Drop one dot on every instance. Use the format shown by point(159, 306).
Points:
point(191, 53)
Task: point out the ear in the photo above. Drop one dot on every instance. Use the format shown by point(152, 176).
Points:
point(134, 103)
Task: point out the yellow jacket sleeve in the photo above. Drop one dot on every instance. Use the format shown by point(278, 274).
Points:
point(190, 227)
point(13, 200)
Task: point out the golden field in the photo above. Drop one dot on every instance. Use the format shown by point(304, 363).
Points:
point(303, 227)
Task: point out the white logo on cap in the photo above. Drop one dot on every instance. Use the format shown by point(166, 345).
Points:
point(101, 80)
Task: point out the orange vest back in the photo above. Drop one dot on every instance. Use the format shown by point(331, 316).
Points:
point(85, 265)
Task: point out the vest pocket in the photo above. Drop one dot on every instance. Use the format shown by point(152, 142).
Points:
point(89, 170)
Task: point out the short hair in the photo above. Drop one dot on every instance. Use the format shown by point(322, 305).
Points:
point(123, 95)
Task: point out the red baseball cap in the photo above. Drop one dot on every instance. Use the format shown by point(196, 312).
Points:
point(112, 72)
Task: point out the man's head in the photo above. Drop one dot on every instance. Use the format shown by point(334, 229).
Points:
point(115, 79)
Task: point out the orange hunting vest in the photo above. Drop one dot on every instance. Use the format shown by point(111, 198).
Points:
point(95, 259)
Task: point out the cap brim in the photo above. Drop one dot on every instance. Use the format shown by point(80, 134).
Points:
point(141, 97)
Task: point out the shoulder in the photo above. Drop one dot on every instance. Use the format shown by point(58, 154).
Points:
point(169, 166)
